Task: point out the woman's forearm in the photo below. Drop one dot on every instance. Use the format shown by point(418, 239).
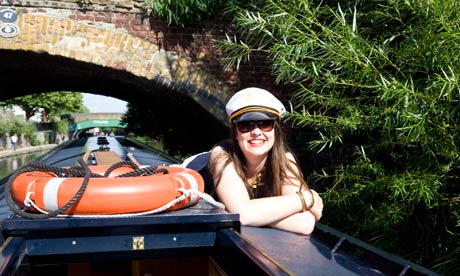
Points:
point(300, 223)
point(265, 211)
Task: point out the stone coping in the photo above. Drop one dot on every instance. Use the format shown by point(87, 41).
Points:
point(23, 150)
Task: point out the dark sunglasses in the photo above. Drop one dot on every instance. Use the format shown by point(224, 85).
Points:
point(247, 126)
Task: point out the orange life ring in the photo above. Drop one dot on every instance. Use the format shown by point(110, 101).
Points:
point(108, 196)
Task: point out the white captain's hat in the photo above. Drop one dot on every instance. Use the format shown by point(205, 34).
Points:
point(251, 104)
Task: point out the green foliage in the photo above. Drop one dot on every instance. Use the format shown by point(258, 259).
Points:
point(378, 81)
point(53, 103)
point(34, 141)
point(175, 134)
point(61, 126)
point(187, 11)
point(158, 144)
point(10, 124)
point(27, 129)
point(7, 120)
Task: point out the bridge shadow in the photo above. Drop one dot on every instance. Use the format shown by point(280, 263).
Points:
point(170, 108)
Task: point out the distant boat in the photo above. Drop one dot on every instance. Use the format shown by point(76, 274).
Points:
point(201, 239)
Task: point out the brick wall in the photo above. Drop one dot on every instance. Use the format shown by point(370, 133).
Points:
point(193, 42)
point(116, 48)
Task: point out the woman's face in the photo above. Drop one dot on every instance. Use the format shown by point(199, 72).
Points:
point(255, 138)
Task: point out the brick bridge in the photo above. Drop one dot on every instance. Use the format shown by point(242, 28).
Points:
point(114, 48)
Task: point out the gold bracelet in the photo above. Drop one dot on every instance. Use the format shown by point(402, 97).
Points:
point(312, 200)
point(302, 199)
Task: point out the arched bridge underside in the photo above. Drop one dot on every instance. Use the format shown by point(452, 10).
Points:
point(110, 50)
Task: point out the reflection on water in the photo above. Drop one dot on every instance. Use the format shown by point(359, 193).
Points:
point(9, 164)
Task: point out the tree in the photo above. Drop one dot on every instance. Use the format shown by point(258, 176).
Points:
point(7, 121)
point(188, 11)
point(10, 124)
point(53, 103)
point(378, 82)
point(175, 133)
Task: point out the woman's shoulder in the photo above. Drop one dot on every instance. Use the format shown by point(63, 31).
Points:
point(290, 156)
point(219, 158)
point(292, 159)
point(221, 152)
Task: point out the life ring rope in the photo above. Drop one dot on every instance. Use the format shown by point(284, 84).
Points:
point(119, 164)
point(186, 193)
point(33, 167)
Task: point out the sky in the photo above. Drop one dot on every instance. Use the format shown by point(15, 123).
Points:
point(102, 104)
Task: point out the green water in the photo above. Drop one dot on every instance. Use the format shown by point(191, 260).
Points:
point(9, 164)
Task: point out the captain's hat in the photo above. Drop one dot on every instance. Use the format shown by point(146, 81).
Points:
point(251, 104)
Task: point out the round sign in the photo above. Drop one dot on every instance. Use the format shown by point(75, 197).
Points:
point(8, 30)
point(8, 15)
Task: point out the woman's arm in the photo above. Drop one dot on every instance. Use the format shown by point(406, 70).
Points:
point(317, 209)
point(254, 212)
point(300, 223)
point(270, 211)
point(291, 186)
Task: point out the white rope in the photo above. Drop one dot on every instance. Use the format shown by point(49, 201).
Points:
point(29, 202)
point(186, 193)
point(209, 199)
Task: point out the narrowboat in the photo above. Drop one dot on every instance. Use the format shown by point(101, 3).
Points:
point(196, 238)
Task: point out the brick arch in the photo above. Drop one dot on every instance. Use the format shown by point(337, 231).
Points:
point(26, 72)
point(115, 50)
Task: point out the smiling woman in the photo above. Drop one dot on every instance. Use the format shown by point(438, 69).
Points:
point(103, 104)
point(255, 173)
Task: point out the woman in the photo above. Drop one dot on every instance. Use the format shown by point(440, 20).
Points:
point(255, 173)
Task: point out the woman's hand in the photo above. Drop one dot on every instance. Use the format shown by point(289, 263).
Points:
point(317, 208)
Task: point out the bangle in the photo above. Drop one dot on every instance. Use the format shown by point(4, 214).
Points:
point(302, 200)
point(312, 200)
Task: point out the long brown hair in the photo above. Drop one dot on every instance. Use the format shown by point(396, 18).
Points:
point(275, 168)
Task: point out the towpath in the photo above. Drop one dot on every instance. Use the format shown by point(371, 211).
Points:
point(22, 150)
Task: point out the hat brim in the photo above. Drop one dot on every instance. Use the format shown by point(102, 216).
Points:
point(255, 116)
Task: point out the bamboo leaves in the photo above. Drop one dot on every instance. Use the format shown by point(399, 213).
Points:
point(378, 83)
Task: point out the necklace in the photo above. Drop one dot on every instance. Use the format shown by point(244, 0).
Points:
point(256, 183)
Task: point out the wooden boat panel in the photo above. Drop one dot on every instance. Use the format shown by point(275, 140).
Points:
point(106, 158)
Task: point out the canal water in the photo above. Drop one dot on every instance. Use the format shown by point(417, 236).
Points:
point(9, 164)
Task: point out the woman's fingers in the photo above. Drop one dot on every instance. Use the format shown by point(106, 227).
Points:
point(317, 208)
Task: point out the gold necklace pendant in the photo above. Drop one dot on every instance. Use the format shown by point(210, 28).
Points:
point(256, 182)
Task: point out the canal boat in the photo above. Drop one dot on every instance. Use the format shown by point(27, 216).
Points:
point(200, 239)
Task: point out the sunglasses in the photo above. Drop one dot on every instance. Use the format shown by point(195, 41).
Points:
point(247, 126)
